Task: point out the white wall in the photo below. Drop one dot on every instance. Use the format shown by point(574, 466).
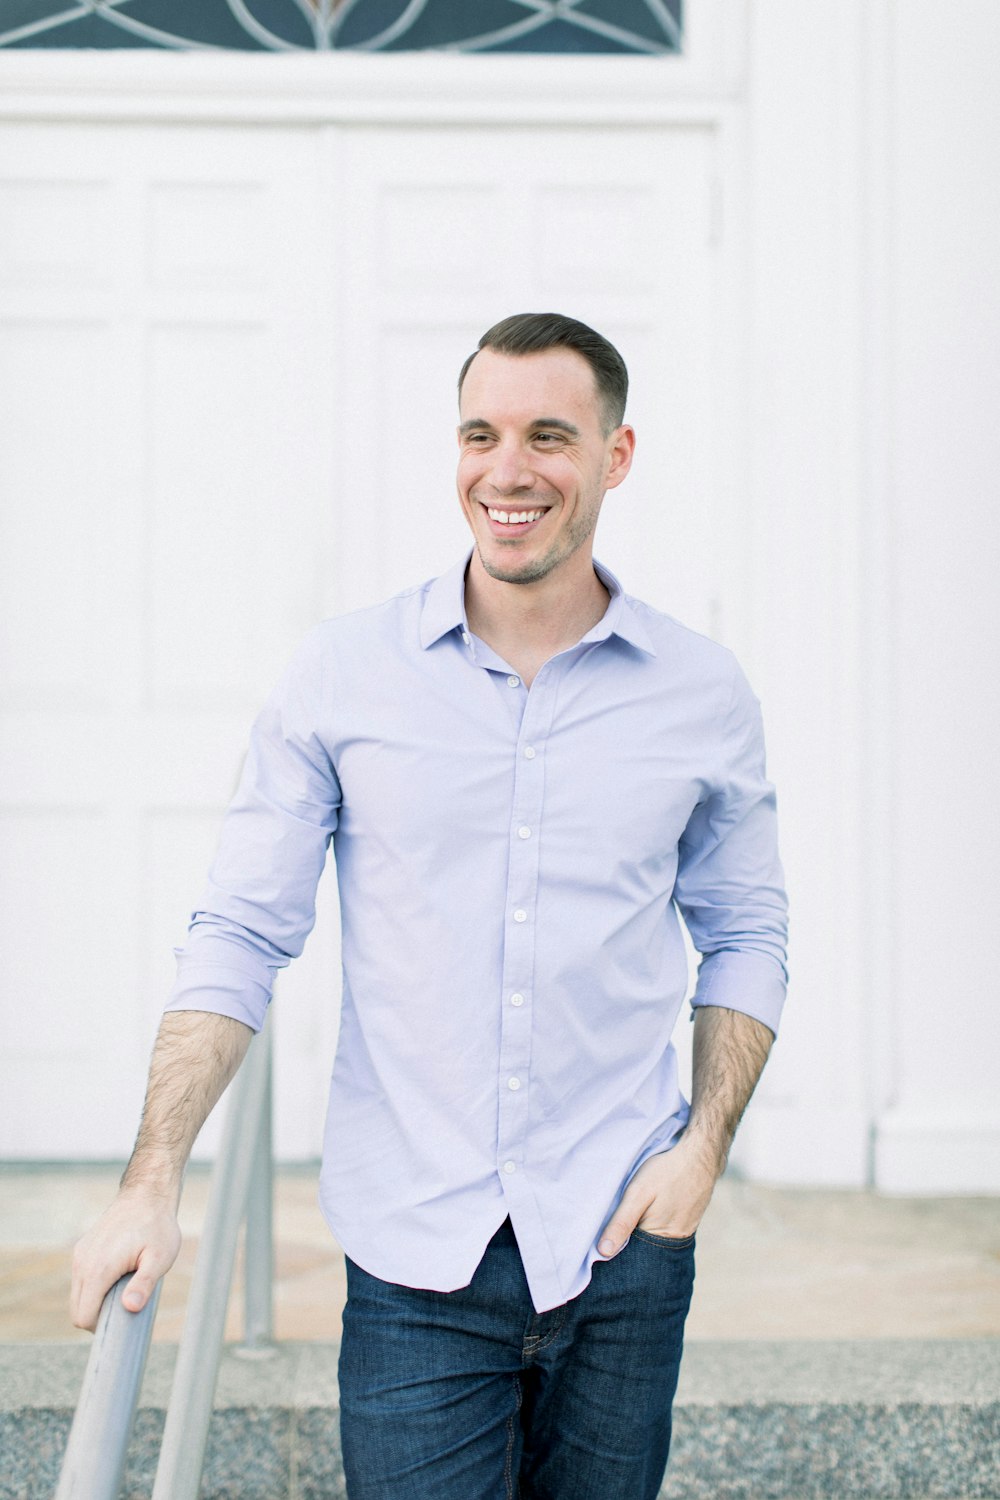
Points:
point(940, 1119)
point(873, 393)
point(809, 201)
point(804, 246)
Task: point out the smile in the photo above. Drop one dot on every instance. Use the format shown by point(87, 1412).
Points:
point(513, 517)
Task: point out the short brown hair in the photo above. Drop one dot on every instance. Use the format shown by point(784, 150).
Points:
point(532, 333)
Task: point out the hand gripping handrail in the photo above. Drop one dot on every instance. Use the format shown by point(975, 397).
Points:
point(241, 1189)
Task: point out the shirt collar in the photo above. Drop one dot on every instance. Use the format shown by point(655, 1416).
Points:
point(620, 618)
point(444, 610)
point(444, 605)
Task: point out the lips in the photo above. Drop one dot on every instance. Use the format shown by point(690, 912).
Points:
point(509, 522)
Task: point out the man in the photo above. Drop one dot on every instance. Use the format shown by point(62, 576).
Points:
point(525, 774)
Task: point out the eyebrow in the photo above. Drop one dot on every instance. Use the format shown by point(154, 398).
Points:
point(475, 423)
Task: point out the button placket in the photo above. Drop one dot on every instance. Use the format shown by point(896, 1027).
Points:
point(526, 814)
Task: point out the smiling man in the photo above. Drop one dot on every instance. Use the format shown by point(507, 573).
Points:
point(531, 485)
point(529, 779)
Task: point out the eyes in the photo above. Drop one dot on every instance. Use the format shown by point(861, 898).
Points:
point(540, 439)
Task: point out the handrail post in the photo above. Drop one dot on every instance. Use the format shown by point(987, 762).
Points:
point(258, 1240)
point(185, 1434)
point(94, 1462)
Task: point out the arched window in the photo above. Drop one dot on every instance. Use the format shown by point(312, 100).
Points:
point(595, 26)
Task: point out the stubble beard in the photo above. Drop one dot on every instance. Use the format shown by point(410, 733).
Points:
point(528, 572)
point(581, 529)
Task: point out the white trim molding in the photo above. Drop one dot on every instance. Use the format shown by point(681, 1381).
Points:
point(425, 87)
point(930, 1153)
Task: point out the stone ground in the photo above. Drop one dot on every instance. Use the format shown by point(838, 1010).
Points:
point(773, 1263)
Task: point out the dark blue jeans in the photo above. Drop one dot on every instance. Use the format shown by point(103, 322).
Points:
point(472, 1395)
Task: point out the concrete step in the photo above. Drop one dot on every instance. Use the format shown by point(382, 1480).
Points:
point(854, 1420)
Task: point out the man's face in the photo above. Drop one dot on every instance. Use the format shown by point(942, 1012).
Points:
point(534, 460)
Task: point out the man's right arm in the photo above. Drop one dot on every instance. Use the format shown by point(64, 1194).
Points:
point(256, 913)
point(196, 1055)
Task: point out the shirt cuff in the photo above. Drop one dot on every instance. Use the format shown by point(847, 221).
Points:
point(745, 981)
point(221, 988)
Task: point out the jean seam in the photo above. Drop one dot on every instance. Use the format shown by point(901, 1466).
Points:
point(508, 1468)
point(535, 1341)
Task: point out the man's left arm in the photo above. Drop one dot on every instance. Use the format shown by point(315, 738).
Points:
point(730, 891)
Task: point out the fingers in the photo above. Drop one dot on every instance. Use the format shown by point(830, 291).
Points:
point(129, 1240)
point(88, 1295)
point(90, 1287)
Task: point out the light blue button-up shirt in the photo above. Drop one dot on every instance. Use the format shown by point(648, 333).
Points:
point(511, 866)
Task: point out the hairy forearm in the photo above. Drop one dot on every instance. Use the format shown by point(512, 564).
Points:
point(195, 1056)
point(730, 1050)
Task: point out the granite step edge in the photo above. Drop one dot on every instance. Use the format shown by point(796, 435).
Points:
point(715, 1373)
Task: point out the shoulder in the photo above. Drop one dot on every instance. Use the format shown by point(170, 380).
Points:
point(680, 648)
point(392, 622)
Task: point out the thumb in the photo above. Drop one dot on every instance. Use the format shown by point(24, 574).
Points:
point(138, 1292)
point(140, 1288)
point(621, 1224)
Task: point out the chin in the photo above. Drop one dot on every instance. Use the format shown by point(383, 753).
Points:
point(529, 571)
point(526, 573)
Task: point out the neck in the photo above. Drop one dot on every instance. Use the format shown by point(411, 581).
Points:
point(528, 622)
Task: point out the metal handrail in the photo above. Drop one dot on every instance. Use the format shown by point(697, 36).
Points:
point(241, 1189)
point(94, 1462)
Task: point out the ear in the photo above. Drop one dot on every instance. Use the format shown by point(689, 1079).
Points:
point(620, 453)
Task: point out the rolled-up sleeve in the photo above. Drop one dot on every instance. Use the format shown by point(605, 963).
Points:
point(260, 902)
point(730, 885)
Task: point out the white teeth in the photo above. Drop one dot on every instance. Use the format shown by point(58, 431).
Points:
point(513, 518)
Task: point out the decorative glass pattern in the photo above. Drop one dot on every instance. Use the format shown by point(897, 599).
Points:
point(620, 26)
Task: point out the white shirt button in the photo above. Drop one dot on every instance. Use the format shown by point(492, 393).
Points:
point(520, 915)
point(529, 752)
point(510, 1166)
point(513, 681)
point(524, 832)
point(513, 1083)
point(466, 637)
point(517, 999)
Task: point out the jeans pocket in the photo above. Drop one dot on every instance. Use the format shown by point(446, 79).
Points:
point(665, 1241)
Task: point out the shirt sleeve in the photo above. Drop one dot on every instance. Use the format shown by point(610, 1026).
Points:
point(260, 902)
point(730, 886)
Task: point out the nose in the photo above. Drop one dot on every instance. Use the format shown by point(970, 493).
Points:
point(510, 470)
